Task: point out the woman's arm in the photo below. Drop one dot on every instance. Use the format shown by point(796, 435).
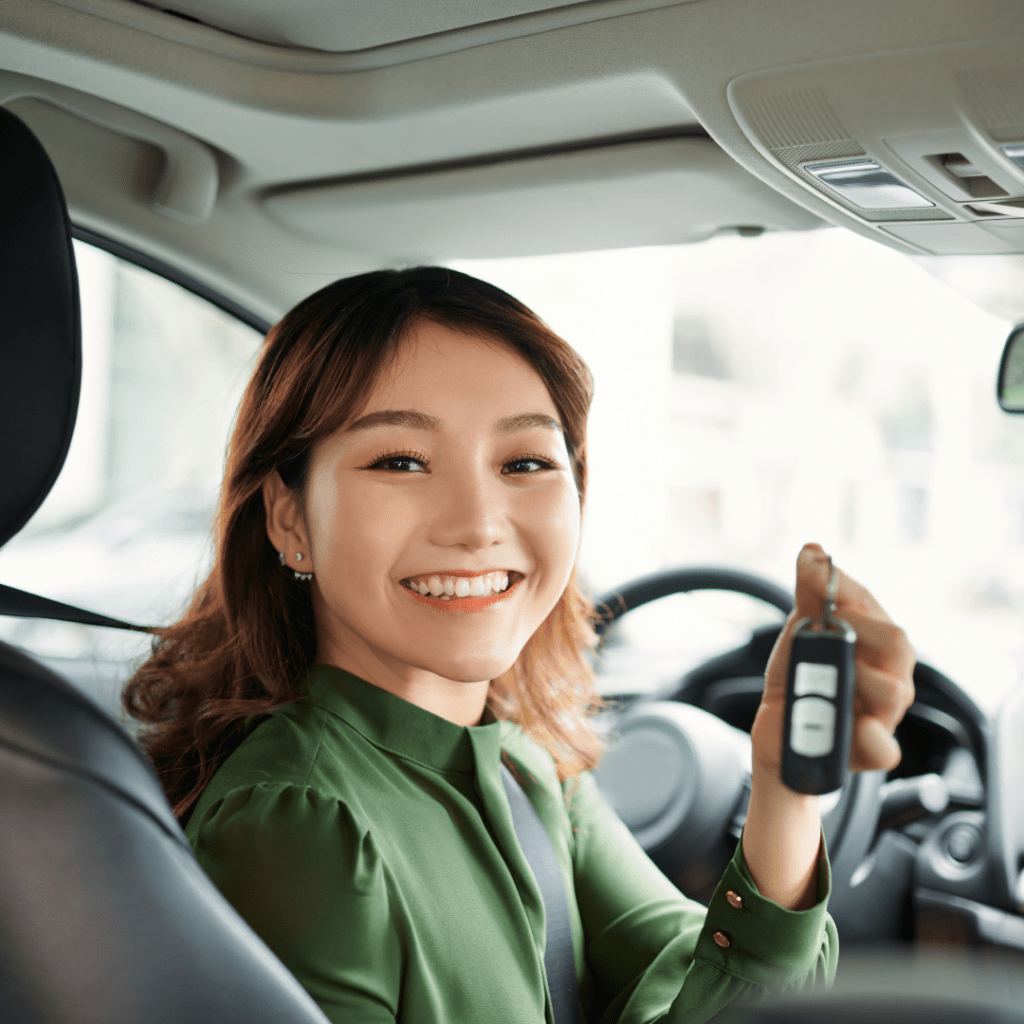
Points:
point(781, 842)
point(653, 954)
point(781, 837)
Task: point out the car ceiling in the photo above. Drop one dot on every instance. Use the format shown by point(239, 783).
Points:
point(356, 24)
point(268, 148)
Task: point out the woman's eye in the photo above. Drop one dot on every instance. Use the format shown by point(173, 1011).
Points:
point(530, 464)
point(401, 463)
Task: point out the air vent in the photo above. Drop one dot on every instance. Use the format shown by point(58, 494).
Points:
point(867, 185)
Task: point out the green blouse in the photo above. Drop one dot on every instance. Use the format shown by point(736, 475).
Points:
point(369, 842)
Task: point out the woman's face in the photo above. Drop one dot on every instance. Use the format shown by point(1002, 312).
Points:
point(454, 480)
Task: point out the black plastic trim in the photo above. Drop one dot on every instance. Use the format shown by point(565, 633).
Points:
point(171, 273)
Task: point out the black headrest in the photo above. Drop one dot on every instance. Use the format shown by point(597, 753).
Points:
point(40, 329)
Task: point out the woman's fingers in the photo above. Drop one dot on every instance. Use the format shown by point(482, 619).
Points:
point(880, 642)
point(882, 695)
point(812, 579)
point(873, 747)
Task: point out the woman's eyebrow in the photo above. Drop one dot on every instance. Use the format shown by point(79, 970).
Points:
point(395, 418)
point(525, 420)
point(421, 421)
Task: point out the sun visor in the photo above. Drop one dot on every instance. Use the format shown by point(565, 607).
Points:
point(923, 146)
point(639, 193)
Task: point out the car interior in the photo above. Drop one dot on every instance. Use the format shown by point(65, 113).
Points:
point(247, 153)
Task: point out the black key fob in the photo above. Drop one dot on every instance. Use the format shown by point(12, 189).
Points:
point(819, 706)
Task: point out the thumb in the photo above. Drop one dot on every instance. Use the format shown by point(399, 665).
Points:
point(812, 577)
point(813, 573)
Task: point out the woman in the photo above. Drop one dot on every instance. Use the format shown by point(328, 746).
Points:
point(393, 612)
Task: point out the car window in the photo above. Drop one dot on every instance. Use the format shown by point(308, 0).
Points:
point(756, 393)
point(125, 530)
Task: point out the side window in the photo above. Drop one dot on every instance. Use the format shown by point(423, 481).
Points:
point(126, 529)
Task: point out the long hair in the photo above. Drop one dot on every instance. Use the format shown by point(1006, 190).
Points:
point(248, 640)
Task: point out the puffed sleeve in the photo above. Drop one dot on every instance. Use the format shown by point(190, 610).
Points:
point(653, 951)
point(311, 884)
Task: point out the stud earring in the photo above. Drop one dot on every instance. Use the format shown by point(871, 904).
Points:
point(298, 556)
point(280, 557)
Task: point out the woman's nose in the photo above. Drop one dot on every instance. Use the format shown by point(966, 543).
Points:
point(472, 514)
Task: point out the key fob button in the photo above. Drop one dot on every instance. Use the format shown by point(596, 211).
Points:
point(813, 726)
point(819, 679)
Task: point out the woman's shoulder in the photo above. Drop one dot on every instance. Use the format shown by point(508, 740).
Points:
point(275, 772)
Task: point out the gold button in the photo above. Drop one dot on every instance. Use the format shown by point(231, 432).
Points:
point(721, 939)
point(734, 899)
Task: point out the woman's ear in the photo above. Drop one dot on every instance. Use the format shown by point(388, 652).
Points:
point(286, 526)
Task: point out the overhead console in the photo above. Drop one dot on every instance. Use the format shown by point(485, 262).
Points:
point(925, 147)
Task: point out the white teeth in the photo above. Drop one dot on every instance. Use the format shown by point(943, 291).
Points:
point(461, 586)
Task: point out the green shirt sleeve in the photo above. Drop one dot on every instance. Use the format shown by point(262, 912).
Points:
point(311, 884)
point(652, 950)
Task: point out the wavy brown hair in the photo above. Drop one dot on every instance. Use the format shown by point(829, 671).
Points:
point(247, 640)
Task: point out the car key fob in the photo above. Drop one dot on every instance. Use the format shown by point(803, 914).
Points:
point(819, 702)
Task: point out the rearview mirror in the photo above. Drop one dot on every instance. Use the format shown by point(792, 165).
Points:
point(1010, 387)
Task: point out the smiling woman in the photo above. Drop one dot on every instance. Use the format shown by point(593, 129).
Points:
point(456, 478)
point(391, 638)
point(314, 461)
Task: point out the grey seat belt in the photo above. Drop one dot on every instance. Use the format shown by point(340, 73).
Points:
point(539, 851)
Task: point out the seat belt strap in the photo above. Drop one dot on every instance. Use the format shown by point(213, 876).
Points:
point(539, 851)
point(31, 606)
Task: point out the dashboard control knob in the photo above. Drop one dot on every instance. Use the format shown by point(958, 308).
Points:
point(963, 842)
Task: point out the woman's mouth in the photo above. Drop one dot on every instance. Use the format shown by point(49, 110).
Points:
point(461, 592)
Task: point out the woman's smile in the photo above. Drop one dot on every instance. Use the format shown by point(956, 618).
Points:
point(462, 591)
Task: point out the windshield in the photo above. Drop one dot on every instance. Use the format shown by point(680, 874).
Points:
point(751, 394)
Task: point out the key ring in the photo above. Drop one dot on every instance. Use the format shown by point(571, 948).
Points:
point(828, 607)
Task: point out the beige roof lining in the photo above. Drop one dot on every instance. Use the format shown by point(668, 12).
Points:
point(236, 47)
point(275, 115)
point(345, 26)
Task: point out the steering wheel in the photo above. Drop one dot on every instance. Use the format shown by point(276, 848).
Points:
point(679, 777)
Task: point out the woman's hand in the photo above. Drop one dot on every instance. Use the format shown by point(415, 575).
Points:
point(782, 832)
point(884, 661)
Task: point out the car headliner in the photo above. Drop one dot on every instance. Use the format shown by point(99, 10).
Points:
point(233, 149)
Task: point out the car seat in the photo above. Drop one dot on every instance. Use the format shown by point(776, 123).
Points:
point(105, 915)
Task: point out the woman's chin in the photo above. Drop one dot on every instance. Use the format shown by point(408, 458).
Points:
point(469, 670)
